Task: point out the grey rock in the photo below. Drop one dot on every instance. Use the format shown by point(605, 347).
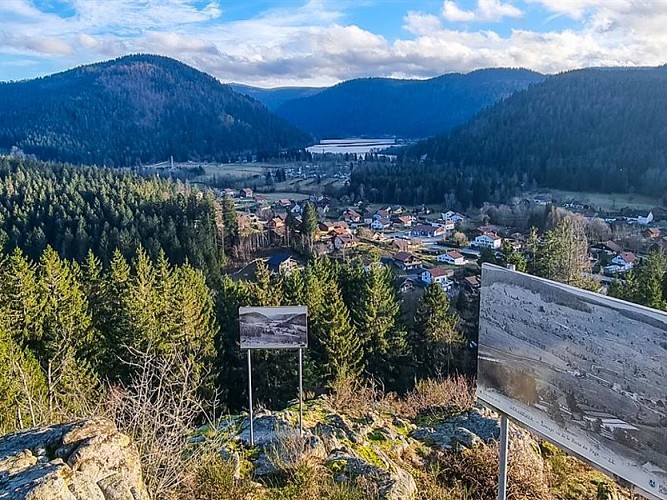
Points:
point(90, 459)
point(466, 430)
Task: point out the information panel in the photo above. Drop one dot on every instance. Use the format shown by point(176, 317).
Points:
point(585, 371)
point(273, 327)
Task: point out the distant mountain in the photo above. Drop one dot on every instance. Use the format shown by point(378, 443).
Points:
point(275, 97)
point(586, 130)
point(137, 109)
point(380, 107)
point(590, 129)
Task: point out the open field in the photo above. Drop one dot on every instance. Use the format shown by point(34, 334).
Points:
point(604, 201)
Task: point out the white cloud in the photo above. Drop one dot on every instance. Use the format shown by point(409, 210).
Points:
point(452, 12)
point(315, 44)
point(486, 11)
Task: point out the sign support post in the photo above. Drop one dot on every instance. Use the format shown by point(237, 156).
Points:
point(502, 466)
point(301, 390)
point(252, 430)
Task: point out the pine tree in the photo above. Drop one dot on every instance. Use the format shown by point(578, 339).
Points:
point(64, 350)
point(563, 254)
point(231, 225)
point(22, 386)
point(375, 313)
point(515, 258)
point(309, 226)
point(435, 337)
point(337, 348)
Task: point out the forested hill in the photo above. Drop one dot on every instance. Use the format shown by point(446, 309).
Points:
point(139, 108)
point(587, 130)
point(275, 97)
point(404, 108)
point(77, 209)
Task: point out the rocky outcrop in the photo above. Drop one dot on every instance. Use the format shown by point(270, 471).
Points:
point(478, 425)
point(84, 460)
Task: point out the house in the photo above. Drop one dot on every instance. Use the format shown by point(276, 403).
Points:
point(471, 283)
point(406, 261)
point(645, 220)
point(488, 240)
point(437, 275)
point(625, 260)
point(281, 263)
point(260, 200)
point(246, 193)
point(229, 192)
point(380, 224)
point(403, 220)
point(447, 224)
point(325, 226)
point(609, 247)
point(651, 233)
point(401, 245)
point(345, 241)
point(406, 285)
point(284, 202)
point(454, 217)
point(276, 223)
point(452, 257)
point(351, 216)
point(381, 214)
point(427, 231)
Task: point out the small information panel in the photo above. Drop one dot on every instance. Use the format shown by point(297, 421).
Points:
point(273, 327)
point(581, 369)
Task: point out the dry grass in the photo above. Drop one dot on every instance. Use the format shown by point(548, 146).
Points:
point(350, 397)
point(436, 398)
point(473, 473)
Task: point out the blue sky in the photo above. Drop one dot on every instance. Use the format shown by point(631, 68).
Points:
point(321, 42)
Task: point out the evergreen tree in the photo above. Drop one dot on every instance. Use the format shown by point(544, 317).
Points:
point(563, 254)
point(436, 337)
point(644, 284)
point(309, 226)
point(337, 350)
point(515, 258)
point(230, 223)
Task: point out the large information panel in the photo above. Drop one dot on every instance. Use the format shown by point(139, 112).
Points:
point(273, 327)
point(583, 370)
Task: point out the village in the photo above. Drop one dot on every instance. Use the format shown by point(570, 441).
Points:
point(424, 246)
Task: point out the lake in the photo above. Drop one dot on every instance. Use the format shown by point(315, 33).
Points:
point(357, 146)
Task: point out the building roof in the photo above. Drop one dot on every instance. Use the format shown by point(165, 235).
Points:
point(613, 246)
point(437, 272)
point(455, 254)
point(346, 238)
point(279, 258)
point(403, 256)
point(628, 257)
point(491, 235)
point(473, 281)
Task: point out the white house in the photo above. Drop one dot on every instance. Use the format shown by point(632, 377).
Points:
point(380, 224)
point(345, 241)
point(625, 260)
point(645, 220)
point(455, 217)
point(488, 240)
point(452, 257)
point(437, 275)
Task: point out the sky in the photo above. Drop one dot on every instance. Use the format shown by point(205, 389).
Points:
point(321, 42)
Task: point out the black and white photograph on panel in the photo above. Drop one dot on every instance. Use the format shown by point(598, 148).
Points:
point(273, 327)
point(586, 371)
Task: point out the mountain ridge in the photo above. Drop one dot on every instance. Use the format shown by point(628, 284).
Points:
point(137, 109)
point(411, 108)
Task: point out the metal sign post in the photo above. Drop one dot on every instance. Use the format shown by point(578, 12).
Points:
point(502, 466)
point(252, 433)
point(301, 391)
